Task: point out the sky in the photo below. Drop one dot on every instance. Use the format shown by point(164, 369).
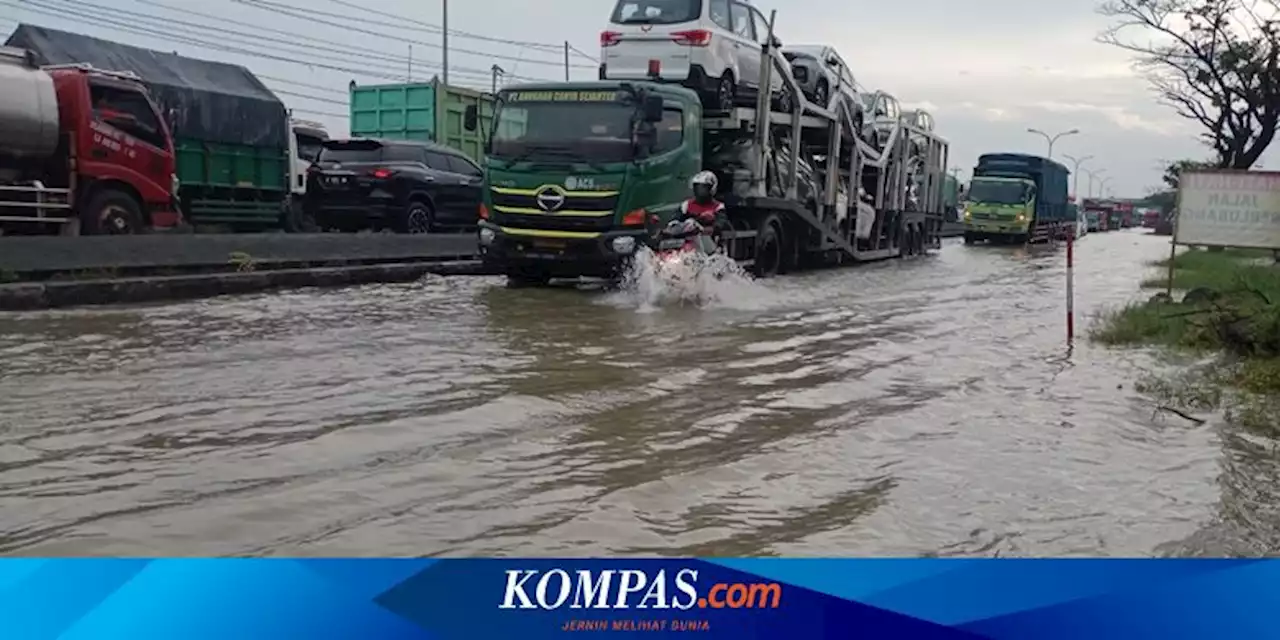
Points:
point(987, 70)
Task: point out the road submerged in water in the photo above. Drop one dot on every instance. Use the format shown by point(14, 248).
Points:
point(921, 407)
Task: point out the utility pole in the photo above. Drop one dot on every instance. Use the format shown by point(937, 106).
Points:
point(444, 40)
point(1093, 175)
point(497, 71)
point(1075, 171)
point(409, 71)
point(1052, 139)
point(566, 60)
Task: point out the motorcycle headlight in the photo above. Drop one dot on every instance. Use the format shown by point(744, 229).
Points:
point(487, 236)
point(624, 244)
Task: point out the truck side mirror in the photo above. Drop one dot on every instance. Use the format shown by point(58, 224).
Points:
point(653, 108)
point(471, 117)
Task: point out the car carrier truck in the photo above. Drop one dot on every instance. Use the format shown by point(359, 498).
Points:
point(1016, 198)
point(82, 150)
point(577, 174)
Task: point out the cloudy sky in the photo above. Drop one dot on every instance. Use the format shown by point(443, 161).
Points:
point(987, 69)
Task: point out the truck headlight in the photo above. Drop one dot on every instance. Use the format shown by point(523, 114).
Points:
point(1021, 217)
point(487, 236)
point(968, 215)
point(624, 244)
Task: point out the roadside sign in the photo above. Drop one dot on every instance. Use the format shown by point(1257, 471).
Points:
point(1225, 208)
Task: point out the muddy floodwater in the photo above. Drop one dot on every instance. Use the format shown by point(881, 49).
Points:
point(905, 408)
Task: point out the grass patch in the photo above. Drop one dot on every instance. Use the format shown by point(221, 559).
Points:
point(1231, 308)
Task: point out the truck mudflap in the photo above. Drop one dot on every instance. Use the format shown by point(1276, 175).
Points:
point(558, 254)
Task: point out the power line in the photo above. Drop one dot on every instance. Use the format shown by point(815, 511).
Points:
point(288, 10)
point(308, 97)
point(168, 35)
point(254, 40)
point(548, 47)
point(302, 84)
point(330, 114)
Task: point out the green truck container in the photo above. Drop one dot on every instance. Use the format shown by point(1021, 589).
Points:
point(428, 111)
point(230, 132)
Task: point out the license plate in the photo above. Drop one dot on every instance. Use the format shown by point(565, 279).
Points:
point(336, 181)
point(549, 244)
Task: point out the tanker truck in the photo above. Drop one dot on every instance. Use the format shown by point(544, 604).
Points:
point(82, 150)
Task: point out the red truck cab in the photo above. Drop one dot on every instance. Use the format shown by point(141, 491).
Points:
point(82, 151)
point(121, 161)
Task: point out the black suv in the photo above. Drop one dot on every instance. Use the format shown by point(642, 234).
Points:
point(402, 185)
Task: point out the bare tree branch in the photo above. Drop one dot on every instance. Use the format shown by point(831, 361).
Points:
point(1214, 62)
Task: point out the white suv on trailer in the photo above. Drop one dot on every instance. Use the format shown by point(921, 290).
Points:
point(711, 46)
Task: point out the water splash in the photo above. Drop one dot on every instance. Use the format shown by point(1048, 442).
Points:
point(705, 281)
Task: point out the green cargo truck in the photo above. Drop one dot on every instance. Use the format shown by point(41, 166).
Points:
point(1017, 198)
point(231, 133)
point(428, 111)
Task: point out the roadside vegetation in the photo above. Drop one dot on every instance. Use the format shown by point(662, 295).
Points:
point(1230, 314)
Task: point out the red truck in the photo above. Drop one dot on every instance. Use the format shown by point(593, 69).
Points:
point(82, 150)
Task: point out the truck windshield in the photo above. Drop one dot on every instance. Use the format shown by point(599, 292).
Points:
point(598, 131)
point(998, 192)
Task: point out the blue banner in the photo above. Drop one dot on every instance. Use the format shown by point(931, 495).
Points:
point(245, 599)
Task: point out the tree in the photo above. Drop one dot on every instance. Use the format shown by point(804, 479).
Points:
point(1215, 62)
point(1175, 169)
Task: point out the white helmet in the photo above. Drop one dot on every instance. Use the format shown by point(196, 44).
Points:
point(705, 179)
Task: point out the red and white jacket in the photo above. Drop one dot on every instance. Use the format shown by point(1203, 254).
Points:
point(705, 214)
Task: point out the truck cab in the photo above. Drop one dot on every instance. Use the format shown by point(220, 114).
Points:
point(105, 161)
point(1018, 198)
point(999, 208)
point(305, 141)
point(574, 172)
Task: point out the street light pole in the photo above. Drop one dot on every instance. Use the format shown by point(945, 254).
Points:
point(444, 41)
point(1093, 175)
point(1075, 171)
point(1054, 138)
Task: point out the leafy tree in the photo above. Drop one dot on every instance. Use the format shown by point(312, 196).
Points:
point(1215, 62)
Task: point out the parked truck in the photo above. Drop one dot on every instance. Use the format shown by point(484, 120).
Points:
point(305, 142)
point(82, 150)
point(427, 111)
point(578, 174)
point(231, 133)
point(1016, 198)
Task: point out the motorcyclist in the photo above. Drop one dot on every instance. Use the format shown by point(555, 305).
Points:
point(703, 207)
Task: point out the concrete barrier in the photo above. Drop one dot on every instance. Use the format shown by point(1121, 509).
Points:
point(55, 294)
point(35, 256)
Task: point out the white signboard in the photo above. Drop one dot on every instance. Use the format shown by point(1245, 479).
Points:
point(1229, 209)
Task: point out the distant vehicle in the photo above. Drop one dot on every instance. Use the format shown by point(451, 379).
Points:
point(1016, 197)
point(304, 149)
point(230, 132)
point(821, 73)
point(716, 52)
point(1093, 221)
point(82, 150)
point(405, 186)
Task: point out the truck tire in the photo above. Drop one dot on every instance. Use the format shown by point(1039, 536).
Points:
point(769, 248)
point(111, 212)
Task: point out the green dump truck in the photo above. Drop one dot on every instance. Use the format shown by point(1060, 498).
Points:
point(1016, 198)
point(428, 111)
point(231, 133)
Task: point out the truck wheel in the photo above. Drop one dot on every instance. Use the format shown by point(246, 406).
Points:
point(769, 245)
point(111, 212)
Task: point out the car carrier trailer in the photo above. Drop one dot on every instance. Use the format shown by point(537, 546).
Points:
point(802, 188)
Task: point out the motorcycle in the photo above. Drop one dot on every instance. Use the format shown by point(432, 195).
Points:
point(682, 251)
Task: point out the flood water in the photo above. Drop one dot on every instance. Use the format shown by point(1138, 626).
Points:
point(905, 408)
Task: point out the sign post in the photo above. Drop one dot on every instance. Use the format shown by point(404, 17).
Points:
point(1071, 298)
point(1226, 208)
